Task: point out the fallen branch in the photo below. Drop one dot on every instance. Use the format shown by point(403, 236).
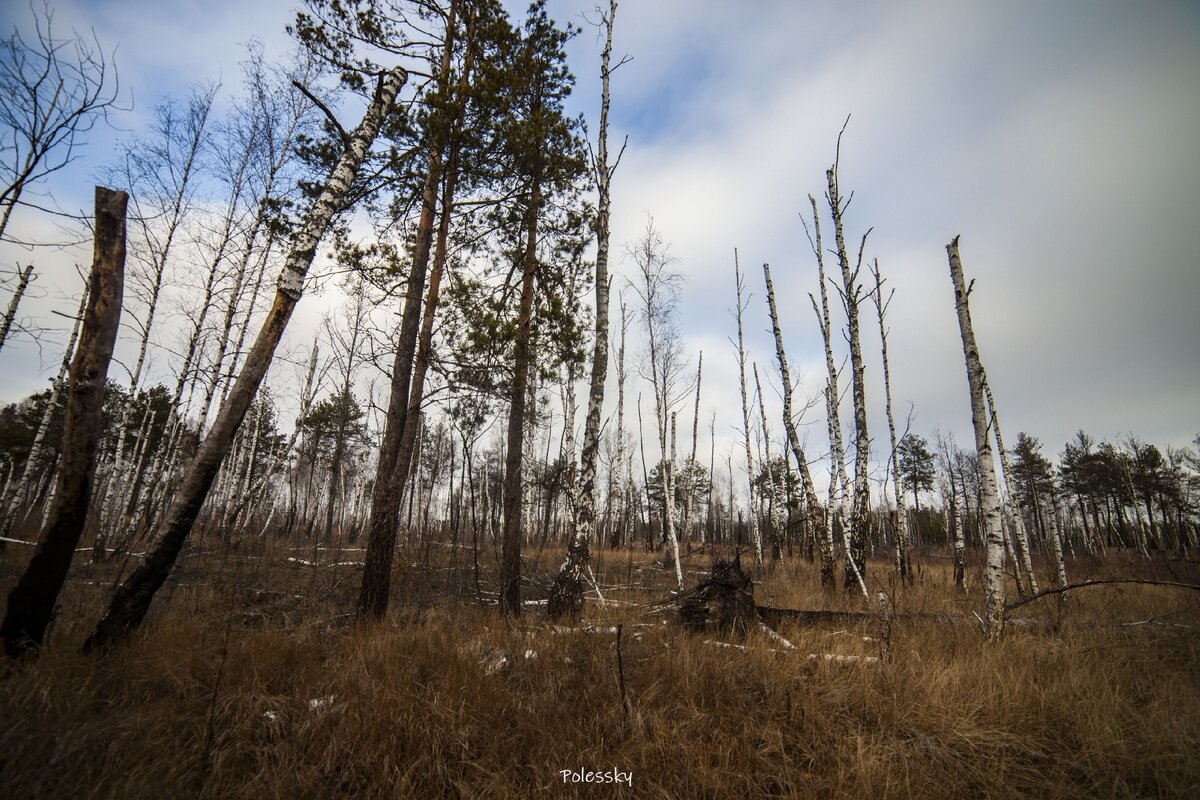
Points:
point(1072, 586)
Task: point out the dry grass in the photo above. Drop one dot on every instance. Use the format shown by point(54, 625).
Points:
point(216, 697)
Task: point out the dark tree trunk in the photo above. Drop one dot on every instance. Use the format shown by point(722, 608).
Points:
point(31, 602)
point(510, 567)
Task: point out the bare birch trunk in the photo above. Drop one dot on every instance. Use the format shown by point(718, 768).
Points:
point(1018, 524)
point(133, 598)
point(23, 278)
point(860, 511)
point(903, 543)
point(838, 483)
point(566, 596)
point(755, 536)
point(31, 602)
point(811, 503)
point(775, 521)
point(994, 598)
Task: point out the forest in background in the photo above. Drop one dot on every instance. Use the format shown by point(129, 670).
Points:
point(449, 440)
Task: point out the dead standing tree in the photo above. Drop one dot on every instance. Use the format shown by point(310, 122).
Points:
point(133, 598)
point(566, 597)
point(851, 293)
point(903, 543)
point(31, 602)
point(990, 499)
point(811, 503)
point(658, 288)
point(755, 535)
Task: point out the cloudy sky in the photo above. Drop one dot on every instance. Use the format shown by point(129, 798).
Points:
point(1059, 139)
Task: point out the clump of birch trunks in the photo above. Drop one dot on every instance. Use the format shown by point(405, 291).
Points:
point(251, 680)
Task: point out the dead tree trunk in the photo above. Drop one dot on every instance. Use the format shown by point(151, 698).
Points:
point(23, 278)
point(838, 484)
point(860, 504)
point(133, 598)
point(755, 536)
point(990, 499)
point(31, 602)
point(903, 543)
point(1021, 538)
point(811, 503)
point(566, 597)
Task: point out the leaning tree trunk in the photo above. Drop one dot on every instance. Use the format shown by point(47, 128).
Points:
point(566, 597)
point(31, 602)
point(990, 498)
point(789, 423)
point(1021, 538)
point(132, 600)
point(23, 278)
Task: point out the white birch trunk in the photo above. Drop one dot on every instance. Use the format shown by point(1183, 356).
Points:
point(994, 597)
point(23, 278)
point(751, 520)
point(808, 489)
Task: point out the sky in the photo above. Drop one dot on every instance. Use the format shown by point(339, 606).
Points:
point(1058, 139)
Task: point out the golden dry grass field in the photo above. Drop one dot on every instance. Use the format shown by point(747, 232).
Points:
point(251, 681)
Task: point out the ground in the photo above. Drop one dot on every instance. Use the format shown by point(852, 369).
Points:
point(251, 680)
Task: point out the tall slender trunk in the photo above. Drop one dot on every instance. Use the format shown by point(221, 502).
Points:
point(1018, 526)
point(903, 542)
point(755, 536)
point(399, 433)
point(990, 499)
point(31, 601)
point(860, 511)
point(510, 566)
point(775, 521)
point(838, 483)
point(132, 600)
point(566, 597)
point(812, 505)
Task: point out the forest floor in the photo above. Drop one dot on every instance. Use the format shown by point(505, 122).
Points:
point(250, 680)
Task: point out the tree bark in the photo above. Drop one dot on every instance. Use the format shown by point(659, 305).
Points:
point(31, 602)
point(23, 278)
point(811, 503)
point(566, 596)
point(755, 535)
point(903, 543)
point(510, 566)
point(132, 600)
point(860, 510)
point(990, 500)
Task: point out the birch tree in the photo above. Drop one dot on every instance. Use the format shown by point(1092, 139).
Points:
point(903, 542)
point(838, 483)
point(851, 293)
point(994, 597)
point(133, 598)
point(752, 522)
point(566, 596)
point(658, 288)
point(789, 421)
